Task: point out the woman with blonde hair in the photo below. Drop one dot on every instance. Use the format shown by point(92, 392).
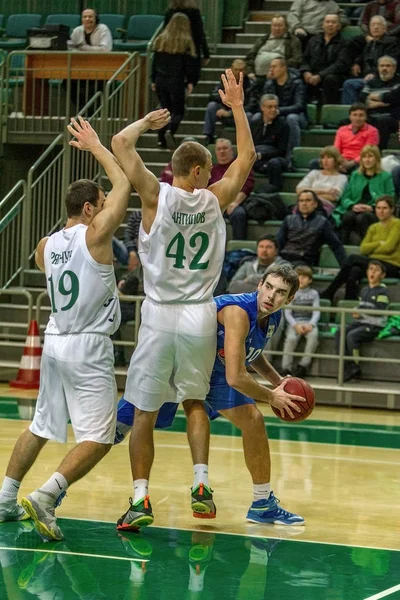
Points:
point(355, 211)
point(327, 183)
point(173, 73)
point(191, 10)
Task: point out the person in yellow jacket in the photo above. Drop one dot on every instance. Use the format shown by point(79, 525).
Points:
point(381, 242)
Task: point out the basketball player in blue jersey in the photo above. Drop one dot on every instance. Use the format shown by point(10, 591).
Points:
point(245, 324)
point(181, 248)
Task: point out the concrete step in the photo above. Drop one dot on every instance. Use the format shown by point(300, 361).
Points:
point(224, 60)
point(235, 50)
point(247, 38)
point(257, 27)
point(206, 86)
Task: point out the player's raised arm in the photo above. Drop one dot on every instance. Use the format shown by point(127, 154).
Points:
point(232, 182)
point(124, 147)
point(109, 219)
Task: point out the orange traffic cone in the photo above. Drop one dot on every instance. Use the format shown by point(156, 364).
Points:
point(28, 377)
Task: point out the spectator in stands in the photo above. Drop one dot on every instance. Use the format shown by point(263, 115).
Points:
point(305, 17)
point(191, 10)
point(250, 272)
point(173, 73)
point(351, 139)
point(291, 94)
point(235, 212)
point(384, 114)
point(302, 234)
point(355, 211)
point(366, 52)
point(364, 328)
point(91, 36)
point(271, 138)
point(279, 43)
point(301, 323)
point(321, 67)
point(389, 9)
point(217, 111)
point(382, 242)
point(327, 183)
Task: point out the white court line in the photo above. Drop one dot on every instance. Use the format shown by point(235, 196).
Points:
point(212, 529)
point(44, 551)
point(162, 500)
point(387, 592)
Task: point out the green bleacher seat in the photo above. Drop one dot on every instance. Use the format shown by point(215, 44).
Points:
point(241, 245)
point(394, 306)
point(346, 304)
point(1, 21)
point(327, 259)
point(69, 20)
point(115, 23)
point(351, 31)
point(289, 198)
point(303, 155)
point(141, 29)
point(332, 114)
point(311, 114)
point(16, 30)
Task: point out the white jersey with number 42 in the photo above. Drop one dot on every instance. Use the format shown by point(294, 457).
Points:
point(83, 293)
point(182, 255)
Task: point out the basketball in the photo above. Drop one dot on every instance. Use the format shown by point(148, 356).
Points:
point(299, 387)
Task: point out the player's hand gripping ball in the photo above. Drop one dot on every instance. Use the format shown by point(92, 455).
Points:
point(298, 387)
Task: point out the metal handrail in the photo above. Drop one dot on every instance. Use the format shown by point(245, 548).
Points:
point(11, 225)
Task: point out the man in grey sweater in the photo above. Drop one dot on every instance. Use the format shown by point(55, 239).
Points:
point(301, 323)
point(306, 16)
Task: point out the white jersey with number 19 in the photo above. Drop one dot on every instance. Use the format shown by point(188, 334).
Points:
point(83, 293)
point(182, 255)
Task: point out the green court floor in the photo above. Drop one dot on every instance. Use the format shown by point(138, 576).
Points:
point(96, 563)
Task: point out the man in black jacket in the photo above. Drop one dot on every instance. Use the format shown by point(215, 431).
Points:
point(216, 111)
point(271, 138)
point(382, 97)
point(363, 54)
point(302, 234)
point(321, 67)
point(291, 94)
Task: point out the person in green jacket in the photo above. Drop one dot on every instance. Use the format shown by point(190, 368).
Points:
point(382, 243)
point(355, 211)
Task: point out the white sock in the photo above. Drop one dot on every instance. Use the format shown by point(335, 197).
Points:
point(56, 485)
point(200, 473)
point(10, 488)
point(261, 491)
point(141, 489)
point(196, 580)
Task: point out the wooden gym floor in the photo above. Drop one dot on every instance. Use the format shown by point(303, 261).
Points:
point(339, 470)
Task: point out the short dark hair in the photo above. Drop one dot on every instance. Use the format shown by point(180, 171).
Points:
point(388, 199)
point(304, 270)
point(313, 194)
point(378, 263)
point(358, 106)
point(79, 192)
point(288, 275)
point(187, 156)
point(270, 238)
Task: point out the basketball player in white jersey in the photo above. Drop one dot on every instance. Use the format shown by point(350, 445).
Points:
point(181, 248)
point(77, 375)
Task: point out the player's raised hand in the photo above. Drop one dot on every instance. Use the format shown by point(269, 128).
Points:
point(86, 137)
point(284, 401)
point(232, 95)
point(158, 118)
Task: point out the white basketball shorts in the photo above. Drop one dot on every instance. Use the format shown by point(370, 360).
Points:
point(77, 382)
point(174, 358)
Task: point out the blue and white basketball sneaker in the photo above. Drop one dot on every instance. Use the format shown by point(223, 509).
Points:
point(269, 511)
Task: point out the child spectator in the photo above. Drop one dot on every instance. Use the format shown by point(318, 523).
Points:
point(365, 328)
point(301, 323)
